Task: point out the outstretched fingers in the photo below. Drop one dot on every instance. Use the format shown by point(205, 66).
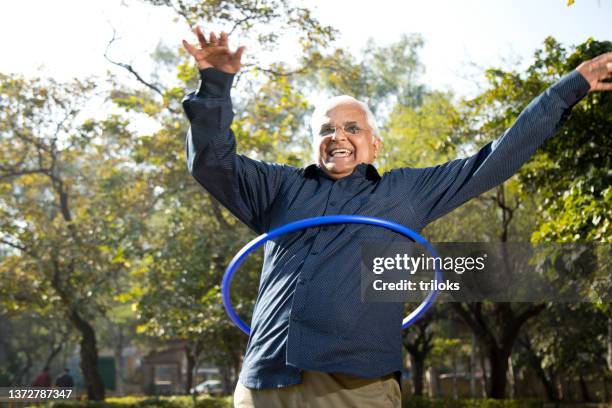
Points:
point(598, 72)
point(223, 39)
point(190, 48)
point(214, 51)
point(201, 37)
point(603, 86)
point(237, 56)
point(213, 39)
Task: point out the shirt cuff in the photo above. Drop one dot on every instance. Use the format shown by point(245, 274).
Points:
point(215, 83)
point(572, 88)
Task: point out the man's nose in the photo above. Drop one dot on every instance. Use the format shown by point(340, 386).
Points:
point(338, 135)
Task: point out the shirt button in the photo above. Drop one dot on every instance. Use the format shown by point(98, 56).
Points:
point(332, 203)
point(301, 281)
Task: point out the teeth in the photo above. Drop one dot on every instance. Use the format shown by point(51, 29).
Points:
point(343, 152)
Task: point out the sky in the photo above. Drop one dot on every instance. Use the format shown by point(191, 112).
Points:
point(458, 33)
point(67, 38)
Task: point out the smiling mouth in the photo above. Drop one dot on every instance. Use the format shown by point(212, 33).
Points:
point(340, 153)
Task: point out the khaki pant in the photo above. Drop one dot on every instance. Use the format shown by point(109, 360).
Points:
point(326, 390)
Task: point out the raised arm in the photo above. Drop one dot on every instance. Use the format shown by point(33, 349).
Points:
point(246, 187)
point(439, 189)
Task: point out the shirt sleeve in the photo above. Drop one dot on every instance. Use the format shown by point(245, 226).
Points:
point(246, 187)
point(438, 190)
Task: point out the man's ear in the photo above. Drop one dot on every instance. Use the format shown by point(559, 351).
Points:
point(377, 144)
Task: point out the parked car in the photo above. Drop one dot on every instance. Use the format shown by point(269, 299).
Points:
point(212, 387)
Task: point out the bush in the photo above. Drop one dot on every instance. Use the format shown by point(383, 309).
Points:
point(145, 402)
point(226, 402)
point(424, 402)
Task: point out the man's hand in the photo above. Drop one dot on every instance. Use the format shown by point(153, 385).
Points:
point(596, 70)
point(215, 53)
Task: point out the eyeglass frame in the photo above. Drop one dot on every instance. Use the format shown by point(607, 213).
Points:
point(335, 129)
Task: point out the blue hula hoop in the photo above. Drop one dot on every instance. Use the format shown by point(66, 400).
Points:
point(315, 222)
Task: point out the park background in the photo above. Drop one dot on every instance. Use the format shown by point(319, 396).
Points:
point(111, 255)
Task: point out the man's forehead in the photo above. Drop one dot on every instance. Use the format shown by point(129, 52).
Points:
point(329, 121)
point(344, 113)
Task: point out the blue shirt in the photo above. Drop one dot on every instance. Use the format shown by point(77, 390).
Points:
point(308, 314)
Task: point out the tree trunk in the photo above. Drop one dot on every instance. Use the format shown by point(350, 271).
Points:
point(225, 371)
point(509, 323)
point(535, 361)
point(609, 356)
point(473, 368)
point(191, 360)
point(568, 389)
point(52, 354)
point(417, 362)
point(560, 389)
point(89, 358)
point(549, 385)
point(484, 380)
point(499, 367)
point(418, 347)
point(512, 378)
point(434, 383)
point(584, 389)
point(455, 393)
point(118, 356)
point(24, 372)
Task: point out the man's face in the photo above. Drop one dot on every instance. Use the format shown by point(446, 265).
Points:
point(352, 143)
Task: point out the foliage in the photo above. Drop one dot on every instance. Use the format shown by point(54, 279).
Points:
point(569, 174)
point(424, 402)
point(422, 136)
point(380, 76)
point(29, 340)
point(570, 182)
point(272, 121)
point(66, 207)
point(264, 20)
point(210, 402)
point(71, 208)
point(568, 339)
point(143, 402)
point(262, 26)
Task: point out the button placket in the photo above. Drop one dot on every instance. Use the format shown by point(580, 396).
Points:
point(298, 303)
point(315, 249)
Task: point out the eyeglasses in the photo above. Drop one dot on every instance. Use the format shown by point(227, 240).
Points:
point(349, 129)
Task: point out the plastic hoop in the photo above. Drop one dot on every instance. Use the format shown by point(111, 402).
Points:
point(315, 222)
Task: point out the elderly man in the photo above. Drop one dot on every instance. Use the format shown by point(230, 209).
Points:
point(313, 341)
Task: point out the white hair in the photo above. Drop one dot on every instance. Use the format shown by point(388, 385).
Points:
point(329, 104)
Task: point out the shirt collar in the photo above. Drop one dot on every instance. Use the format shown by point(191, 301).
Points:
point(361, 170)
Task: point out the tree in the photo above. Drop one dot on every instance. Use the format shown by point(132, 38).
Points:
point(175, 286)
point(381, 76)
point(72, 207)
point(419, 342)
point(493, 111)
point(566, 341)
point(31, 337)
